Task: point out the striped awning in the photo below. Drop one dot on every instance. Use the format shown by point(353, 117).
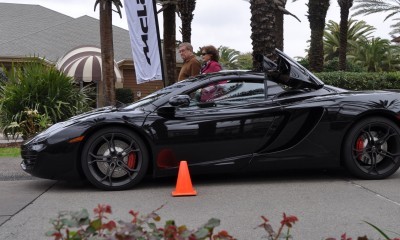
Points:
point(84, 64)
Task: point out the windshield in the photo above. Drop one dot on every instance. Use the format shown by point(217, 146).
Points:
point(144, 101)
point(149, 99)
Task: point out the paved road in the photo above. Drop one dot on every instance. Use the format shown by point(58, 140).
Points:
point(326, 203)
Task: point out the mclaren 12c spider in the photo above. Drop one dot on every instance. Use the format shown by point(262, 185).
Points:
point(281, 117)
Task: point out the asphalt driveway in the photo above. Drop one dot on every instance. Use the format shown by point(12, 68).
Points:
point(327, 203)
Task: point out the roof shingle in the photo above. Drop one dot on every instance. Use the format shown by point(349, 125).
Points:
point(28, 30)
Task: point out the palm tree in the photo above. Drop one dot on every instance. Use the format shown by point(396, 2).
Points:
point(279, 20)
point(367, 7)
point(168, 8)
point(185, 11)
point(228, 57)
point(107, 86)
point(374, 54)
point(392, 60)
point(317, 10)
point(345, 6)
point(262, 24)
point(357, 31)
point(245, 61)
point(266, 30)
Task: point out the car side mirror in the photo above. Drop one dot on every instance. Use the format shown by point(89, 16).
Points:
point(180, 101)
point(175, 101)
point(166, 112)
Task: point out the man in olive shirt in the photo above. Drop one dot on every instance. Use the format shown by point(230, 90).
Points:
point(191, 66)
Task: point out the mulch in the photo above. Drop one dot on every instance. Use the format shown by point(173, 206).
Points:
point(10, 144)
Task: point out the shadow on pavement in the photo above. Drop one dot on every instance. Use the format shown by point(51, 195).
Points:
point(230, 178)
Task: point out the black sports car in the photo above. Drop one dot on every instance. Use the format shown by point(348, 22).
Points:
point(283, 117)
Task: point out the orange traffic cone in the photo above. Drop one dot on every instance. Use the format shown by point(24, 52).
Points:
point(184, 184)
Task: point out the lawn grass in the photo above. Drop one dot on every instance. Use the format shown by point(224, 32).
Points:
point(10, 152)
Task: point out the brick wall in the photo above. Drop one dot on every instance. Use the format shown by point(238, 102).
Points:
point(145, 89)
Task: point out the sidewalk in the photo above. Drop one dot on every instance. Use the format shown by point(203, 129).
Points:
point(4, 140)
point(10, 166)
point(11, 170)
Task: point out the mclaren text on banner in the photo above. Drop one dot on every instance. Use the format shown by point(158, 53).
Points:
point(145, 41)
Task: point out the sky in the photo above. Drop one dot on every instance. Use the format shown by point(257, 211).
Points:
point(226, 22)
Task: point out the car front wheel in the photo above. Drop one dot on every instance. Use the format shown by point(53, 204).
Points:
point(114, 159)
point(372, 148)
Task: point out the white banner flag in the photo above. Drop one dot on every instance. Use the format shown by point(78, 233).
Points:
point(143, 31)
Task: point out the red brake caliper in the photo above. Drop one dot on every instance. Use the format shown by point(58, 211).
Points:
point(360, 147)
point(131, 160)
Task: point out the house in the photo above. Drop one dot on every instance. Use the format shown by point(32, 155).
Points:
point(33, 30)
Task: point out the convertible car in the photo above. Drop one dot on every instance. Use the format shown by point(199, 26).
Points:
point(281, 117)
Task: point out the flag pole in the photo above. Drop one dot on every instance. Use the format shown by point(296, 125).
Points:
point(159, 42)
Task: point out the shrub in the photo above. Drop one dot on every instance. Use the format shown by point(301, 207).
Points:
point(27, 123)
point(333, 65)
point(3, 77)
point(36, 86)
point(79, 226)
point(362, 80)
point(124, 95)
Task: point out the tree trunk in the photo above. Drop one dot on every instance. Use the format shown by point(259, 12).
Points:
point(107, 89)
point(279, 18)
point(186, 8)
point(169, 45)
point(263, 29)
point(317, 10)
point(345, 6)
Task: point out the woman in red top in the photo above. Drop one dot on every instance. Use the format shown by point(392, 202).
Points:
point(210, 60)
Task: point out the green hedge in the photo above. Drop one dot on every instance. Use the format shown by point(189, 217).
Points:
point(124, 95)
point(361, 80)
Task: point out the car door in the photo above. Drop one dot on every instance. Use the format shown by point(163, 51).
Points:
point(223, 130)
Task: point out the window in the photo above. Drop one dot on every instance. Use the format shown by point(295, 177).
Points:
point(231, 92)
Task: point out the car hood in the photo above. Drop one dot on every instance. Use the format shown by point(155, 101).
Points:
point(109, 113)
point(92, 117)
point(93, 112)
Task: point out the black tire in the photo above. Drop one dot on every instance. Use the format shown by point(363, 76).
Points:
point(114, 158)
point(371, 149)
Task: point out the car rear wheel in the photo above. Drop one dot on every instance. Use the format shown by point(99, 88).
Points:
point(114, 159)
point(372, 148)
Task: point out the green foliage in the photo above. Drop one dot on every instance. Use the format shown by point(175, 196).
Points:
point(382, 232)
point(10, 152)
point(124, 95)
point(363, 51)
point(361, 80)
point(357, 31)
point(333, 65)
point(78, 225)
point(245, 61)
point(27, 124)
point(366, 7)
point(304, 62)
point(377, 55)
point(3, 78)
point(228, 57)
point(36, 86)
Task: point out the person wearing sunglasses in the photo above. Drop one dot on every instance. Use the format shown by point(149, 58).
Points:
point(210, 60)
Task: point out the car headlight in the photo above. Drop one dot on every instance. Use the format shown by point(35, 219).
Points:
point(38, 147)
